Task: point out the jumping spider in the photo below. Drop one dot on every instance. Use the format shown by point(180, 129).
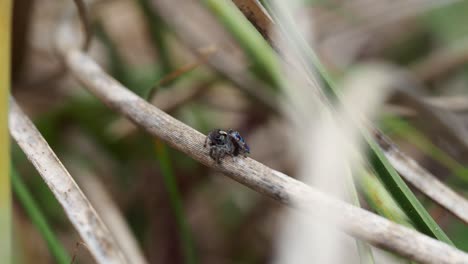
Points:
point(224, 143)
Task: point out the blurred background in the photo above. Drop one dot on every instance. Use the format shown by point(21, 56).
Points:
point(179, 210)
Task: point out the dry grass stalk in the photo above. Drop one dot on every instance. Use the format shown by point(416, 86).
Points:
point(426, 182)
point(257, 15)
point(102, 201)
point(77, 207)
point(442, 62)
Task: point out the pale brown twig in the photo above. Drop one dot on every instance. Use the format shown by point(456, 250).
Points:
point(77, 207)
point(258, 16)
point(111, 216)
point(452, 103)
point(84, 18)
point(424, 181)
point(444, 127)
point(441, 62)
point(168, 100)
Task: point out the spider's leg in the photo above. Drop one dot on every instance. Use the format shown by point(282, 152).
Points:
point(218, 157)
point(212, 152)
point(244, 152)
point(215, 154)
point(206, 140)
point(223, 153)
point(230, 148)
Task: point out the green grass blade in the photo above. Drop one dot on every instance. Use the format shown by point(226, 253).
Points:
point(404, 129)
point(117, 64)
point(381, 200)
point(176, 201)
point(162, 153)
point(261, 53)
point(158, 31)
point(364, 250)
point(38, 219)
point(387, 174)
point(403, 195)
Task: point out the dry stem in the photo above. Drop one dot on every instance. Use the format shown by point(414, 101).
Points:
point(111, 215)
point(77, 207)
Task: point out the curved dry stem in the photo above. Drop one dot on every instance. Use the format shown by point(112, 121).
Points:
point(444, 126)
point(77, 207)
point(443, 122)
point(424, 180)
point(168, 100)
point(102, 200)
point(441, 62)
point(84, 18)
point(457, 104)
point(355, 221)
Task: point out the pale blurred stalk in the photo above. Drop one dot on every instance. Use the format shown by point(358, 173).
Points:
point(5, 193)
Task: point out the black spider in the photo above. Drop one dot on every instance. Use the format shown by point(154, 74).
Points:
point(224, 143)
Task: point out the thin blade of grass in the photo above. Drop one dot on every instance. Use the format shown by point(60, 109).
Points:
point(157, 30)
point(364, 250)
point(38, 219)
point(402, 194)
point(387, 174)
point(162, 152)
point(427, 183)
point(379, 199)
point(163, 158)
point(402, 128)
point(249, 38)
point(118, 67)
point(230, 63)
